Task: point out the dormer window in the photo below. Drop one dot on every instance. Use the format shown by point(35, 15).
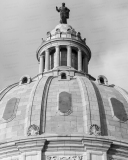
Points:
point(102, 80)
point(25, 80)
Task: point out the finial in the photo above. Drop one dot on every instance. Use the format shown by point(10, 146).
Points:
point(64, 13)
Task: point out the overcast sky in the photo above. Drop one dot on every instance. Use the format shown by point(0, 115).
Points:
point(104, 24)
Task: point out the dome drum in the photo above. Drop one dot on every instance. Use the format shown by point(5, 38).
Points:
point(63, 54)
point(74, 43)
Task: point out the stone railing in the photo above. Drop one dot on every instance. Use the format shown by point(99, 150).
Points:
point(69, 34)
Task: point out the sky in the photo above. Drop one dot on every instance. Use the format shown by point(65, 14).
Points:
point(104, 24)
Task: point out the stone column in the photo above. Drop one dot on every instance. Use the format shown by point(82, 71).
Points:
point(79, 60)
point(41, 65)
point(47, 60)
point(57, 57)
point(69, 56)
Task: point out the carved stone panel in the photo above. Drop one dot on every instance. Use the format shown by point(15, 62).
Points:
point(71, 157)
point(95, 130)
point(52, 157)
point(33, 130)
point(75, 157)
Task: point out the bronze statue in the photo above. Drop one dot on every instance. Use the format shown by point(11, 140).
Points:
point(64, 13)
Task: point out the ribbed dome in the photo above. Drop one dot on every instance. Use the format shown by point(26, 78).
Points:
point(42, 103)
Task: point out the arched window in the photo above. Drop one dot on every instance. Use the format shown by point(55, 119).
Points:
point(63, 76)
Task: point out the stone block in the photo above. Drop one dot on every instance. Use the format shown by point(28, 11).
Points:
point(94, 117)
point(2, 137)
point(114, 123)
point(108, 112)
point(35, 117)
point(94, 112)
point(80, 129)
point(111, 128)
point(123, 130)
point(124, 125)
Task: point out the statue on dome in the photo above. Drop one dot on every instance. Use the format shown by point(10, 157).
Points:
point(64, 13)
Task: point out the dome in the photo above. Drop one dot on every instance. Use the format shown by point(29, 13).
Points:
point(63, 113)
point(64, 107)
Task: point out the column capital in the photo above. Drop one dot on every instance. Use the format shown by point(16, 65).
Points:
point(58, 46)
point(68, 46)
point(79, 50)
point(47, 50)
point(41, 56)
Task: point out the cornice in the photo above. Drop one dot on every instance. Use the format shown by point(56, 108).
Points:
point(66, 143)
point(7, 89)
point(96, 144)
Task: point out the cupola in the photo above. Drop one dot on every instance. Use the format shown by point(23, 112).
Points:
point(63, 47)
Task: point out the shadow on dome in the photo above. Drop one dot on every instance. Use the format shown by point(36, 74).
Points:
point(118, 110)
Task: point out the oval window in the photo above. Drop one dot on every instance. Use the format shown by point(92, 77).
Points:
point(10, 109)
